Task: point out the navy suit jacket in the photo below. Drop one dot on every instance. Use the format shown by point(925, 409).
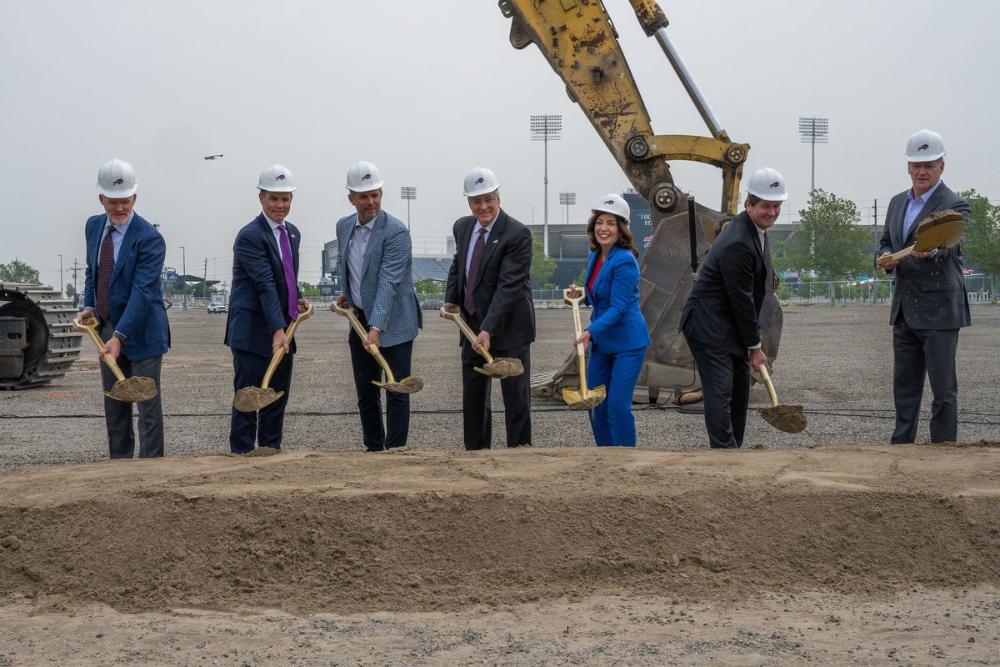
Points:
point(502, 293)
point(616, 323)
point(930, 292)
point(135, 294)
point(258, 298)
point(724, 304)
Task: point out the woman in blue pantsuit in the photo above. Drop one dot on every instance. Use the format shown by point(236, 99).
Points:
point(617, 332)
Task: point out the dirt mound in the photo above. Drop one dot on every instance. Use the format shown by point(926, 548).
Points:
point(409, 531)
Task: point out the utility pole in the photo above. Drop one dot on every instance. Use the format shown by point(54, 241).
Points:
point(184, 273)
point(546, 128)
point(204, 280)
point(76, 291)
point(62, 285)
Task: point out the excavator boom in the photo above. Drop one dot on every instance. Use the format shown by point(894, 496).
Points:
point(579, 41)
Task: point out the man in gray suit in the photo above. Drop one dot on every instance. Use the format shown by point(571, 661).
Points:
point(375, 265)
point(929, 302)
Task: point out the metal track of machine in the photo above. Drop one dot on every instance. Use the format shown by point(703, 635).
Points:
point(37, 341)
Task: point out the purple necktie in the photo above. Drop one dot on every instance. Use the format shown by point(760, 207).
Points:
point(470, 283)
point(286, 263)
point(105, 267)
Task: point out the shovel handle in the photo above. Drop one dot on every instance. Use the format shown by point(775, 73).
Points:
point(456, 317)
point(767, 382)
point(581, 352)
point(362, 334)
point(280, 352)
point(895, 257)
point(91, 330)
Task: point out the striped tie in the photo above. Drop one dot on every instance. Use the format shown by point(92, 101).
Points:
point(470, 283)
point(105, 267)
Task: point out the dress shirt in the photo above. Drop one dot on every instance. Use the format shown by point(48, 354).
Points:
point(472, 241)
point(115, 238)
point(913, 207)
point(356, 247)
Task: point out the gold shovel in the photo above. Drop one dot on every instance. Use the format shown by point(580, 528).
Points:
point(501, 367)
point(787, 418)
point(943, 229)
point(407, 385)
point(128, 390)
point(252, 399)
point(582, 398)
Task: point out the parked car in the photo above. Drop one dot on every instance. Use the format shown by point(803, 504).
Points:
point(218, 308)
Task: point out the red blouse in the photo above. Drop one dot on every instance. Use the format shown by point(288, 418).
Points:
point(593, 275)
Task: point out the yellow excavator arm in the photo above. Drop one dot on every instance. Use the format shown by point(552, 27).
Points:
point(579, 41)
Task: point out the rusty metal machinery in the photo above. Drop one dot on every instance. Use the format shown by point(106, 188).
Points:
point(37, 341)
point(579, 41)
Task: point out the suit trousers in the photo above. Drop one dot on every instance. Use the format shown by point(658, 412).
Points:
point(264, 426)
point(612, 420)
point(725, 381)
point(397, 406)
point(476, 411)
point(917, 352)
point(118, 414)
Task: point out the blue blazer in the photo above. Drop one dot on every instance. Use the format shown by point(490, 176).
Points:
point(616, 323)
point(258, 298)
point(387, 294)
point(136, 294)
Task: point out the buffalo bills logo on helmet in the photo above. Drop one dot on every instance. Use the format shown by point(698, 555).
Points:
point(480, 180)
point(279, 177)
point(776, 184)
point(923, 147)
point(609, 201)
point(118, 181)
point(366, 177)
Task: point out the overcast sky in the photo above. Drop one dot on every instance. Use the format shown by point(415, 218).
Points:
point(427, 90)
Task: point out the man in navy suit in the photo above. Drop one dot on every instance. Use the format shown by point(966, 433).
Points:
point(264, 299)
point(720, 320)
point(929, 302)
point(376, 272)
point(122, 290)
point(490, 281)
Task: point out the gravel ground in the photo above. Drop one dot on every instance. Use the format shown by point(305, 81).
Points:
point(837, 362)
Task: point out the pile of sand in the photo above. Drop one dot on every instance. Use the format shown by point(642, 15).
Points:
point(413, 531)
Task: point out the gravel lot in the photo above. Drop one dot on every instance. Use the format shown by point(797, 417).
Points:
point(834, 361)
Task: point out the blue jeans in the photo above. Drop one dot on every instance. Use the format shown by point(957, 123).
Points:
point(612, 420)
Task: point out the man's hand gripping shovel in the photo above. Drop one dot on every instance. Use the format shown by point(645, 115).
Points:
point(129, 390)
point(252, 399)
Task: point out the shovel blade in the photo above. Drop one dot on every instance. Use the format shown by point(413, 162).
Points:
point(787, 418)
point(408, 385)
point(133, 390)
point(252, 399)
point(588, 401)
point(502, 367)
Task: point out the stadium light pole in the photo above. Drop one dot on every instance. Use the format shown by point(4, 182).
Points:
point(546, 128)
point(62, 285)
point(814, 131)
point(409, 193)
point(567, 199)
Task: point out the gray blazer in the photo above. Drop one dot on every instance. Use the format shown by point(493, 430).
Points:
point(930, 292)
point(387, 294)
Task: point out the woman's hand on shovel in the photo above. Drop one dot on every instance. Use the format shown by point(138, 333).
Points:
point(582, 339)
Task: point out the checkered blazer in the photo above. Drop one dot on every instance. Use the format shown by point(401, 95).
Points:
point(387, 294)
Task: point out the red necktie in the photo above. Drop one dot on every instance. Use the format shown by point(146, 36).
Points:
point(470, 283)
point(105, 267)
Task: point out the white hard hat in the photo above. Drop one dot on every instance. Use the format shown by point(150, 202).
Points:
point(767, 184)
point(480, 181)
point(276, 178)
point(613, 204)
point(363, 177)
point(116, 179)
point(924, 146)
